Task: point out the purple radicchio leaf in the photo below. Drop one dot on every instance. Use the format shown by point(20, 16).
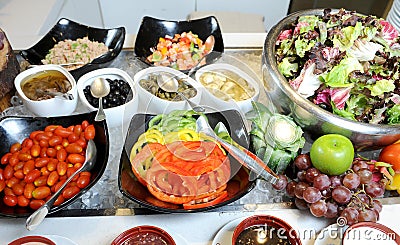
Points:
point(388, 32)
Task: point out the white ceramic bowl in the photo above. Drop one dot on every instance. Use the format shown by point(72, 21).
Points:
point(50, 107)
point(219, 104)
point(152, 104)
point(115, 116)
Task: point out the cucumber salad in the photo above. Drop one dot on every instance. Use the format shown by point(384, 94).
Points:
point(346, 63)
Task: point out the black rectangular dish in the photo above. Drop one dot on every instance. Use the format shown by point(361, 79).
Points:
point(239, 184)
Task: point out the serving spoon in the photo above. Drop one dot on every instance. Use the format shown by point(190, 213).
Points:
point(36, 218)
point(99, 89)
point(244, 156)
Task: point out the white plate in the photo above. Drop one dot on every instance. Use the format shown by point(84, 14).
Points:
point(331, 235)
point(178, 240)
point(60, 240)
point(224, 235)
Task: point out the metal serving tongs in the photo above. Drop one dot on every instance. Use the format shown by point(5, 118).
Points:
point(244, 156)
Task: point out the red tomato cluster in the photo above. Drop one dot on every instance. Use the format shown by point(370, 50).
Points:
point(36, 168)
point(191, 173)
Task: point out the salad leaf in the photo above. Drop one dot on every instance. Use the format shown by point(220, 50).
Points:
point(381, 87)
point(388, 32)
point(339, 75)
point(394, 114)
point(342, 113)
point(310, 82)
point(286, 48)
point(364, 50)
point(378, 116)
point(357, 104)
point(307, 23)
point(287, 68)
point(303, 45)
point(348, 35)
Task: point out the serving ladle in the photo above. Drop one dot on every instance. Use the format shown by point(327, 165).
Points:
point(244, 156)
point(99, 89)
point(36, 218)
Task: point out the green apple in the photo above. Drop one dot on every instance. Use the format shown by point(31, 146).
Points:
point(332, 154)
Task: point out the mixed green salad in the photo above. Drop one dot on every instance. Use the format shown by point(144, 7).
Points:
point(346, 63)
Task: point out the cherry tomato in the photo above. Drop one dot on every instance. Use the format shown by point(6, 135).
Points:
point(61, 155)
point(15, 147)
point(51, 152)
point(55, 140)
point(60, 199)
point(41, 162)
point(74, 148)
point(18, 189)
point(2, 184)
point(35, 150)
point(69, 192)
point(35, 204)
point(53, 178)
point(5, 158)
point(27, 143)
point(84, 124)
point(90, 132)
point(41, 192)
point(75, 158)
point(29, 187)
point(32, 175)
point(40, 181)
point(391, 154)
point(51, 128)
point(62, 168)
point(28, 166)
point(63, 132)
point(10, 200)
point(83, 181)
point(23, 201)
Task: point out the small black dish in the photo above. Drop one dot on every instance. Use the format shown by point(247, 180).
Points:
point(67, 29)
point(151, 29)
point(241, 180)
point(14, 129)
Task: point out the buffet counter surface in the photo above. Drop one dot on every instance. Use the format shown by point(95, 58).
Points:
point(209, 228)
point(103, 213)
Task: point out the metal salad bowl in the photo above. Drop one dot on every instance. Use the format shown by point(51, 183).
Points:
point(314, 120)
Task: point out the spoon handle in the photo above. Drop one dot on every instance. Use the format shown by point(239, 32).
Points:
point(100, 116)
point(249, 160)
point(36, 218)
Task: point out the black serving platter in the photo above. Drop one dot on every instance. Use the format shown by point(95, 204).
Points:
point(151, 29)
point(67, 29)
point(14, 129)
point(241, 179)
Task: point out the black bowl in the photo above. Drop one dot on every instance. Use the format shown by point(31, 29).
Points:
point(68, 29)
point(14, 129)
point(241, 181)
point(151, 29)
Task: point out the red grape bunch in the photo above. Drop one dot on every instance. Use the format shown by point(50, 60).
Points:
point(350, 195)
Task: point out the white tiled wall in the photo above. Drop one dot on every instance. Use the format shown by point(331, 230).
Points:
point(25, 21)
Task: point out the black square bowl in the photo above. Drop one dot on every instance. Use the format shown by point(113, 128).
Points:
point(151, 29)
point(14, 129)
point(240, 183)
point(67, 29)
